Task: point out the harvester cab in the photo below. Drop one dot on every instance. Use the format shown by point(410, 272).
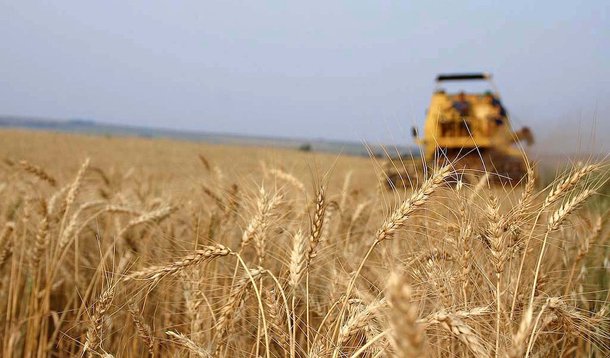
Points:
point(472, 130)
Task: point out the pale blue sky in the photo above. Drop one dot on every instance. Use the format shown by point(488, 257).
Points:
point(356, 70)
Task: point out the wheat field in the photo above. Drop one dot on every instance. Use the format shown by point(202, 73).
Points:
point(127, 247)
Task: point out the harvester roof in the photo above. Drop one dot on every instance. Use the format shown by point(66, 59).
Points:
point(478, 88)
point(463, 77)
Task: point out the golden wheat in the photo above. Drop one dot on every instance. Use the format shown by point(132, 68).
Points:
point(152, 250)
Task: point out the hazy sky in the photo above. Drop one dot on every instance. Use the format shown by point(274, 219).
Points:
point(356, 70)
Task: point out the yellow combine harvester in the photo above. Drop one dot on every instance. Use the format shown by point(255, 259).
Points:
point(471, 130)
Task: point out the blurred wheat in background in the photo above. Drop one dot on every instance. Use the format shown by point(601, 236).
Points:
point(143, 248)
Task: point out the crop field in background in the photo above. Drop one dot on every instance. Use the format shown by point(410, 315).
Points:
point(126, 247)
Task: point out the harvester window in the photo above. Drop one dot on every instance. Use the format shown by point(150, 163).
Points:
point(455, 128)
point(461, 105)
point(464, 129)
point(446, 129)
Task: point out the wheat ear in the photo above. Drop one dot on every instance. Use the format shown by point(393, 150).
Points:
point(316, 226)
point(6, 243)
point(462, 331)
point(407, 335)
point(144, 331)
point(75, 186)
point(289, 178)
point(399, 217)
point(566, 184)
point(228, 311)
point(519, 339)
point(155, 215)
point(568, 207)
point(187, 343)
point(96, 323)
point(499, 253)
point(205, 162)
point(67, 234)
point(38, 172)
point(297, 259)
point(416, 201)
point(260, 222)
point(42, 239)
point(277, 320)
point(553, 224)
point(199, 256)
point(357, 323)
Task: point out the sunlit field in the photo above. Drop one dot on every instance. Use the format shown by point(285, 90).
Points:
point(133, 247)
